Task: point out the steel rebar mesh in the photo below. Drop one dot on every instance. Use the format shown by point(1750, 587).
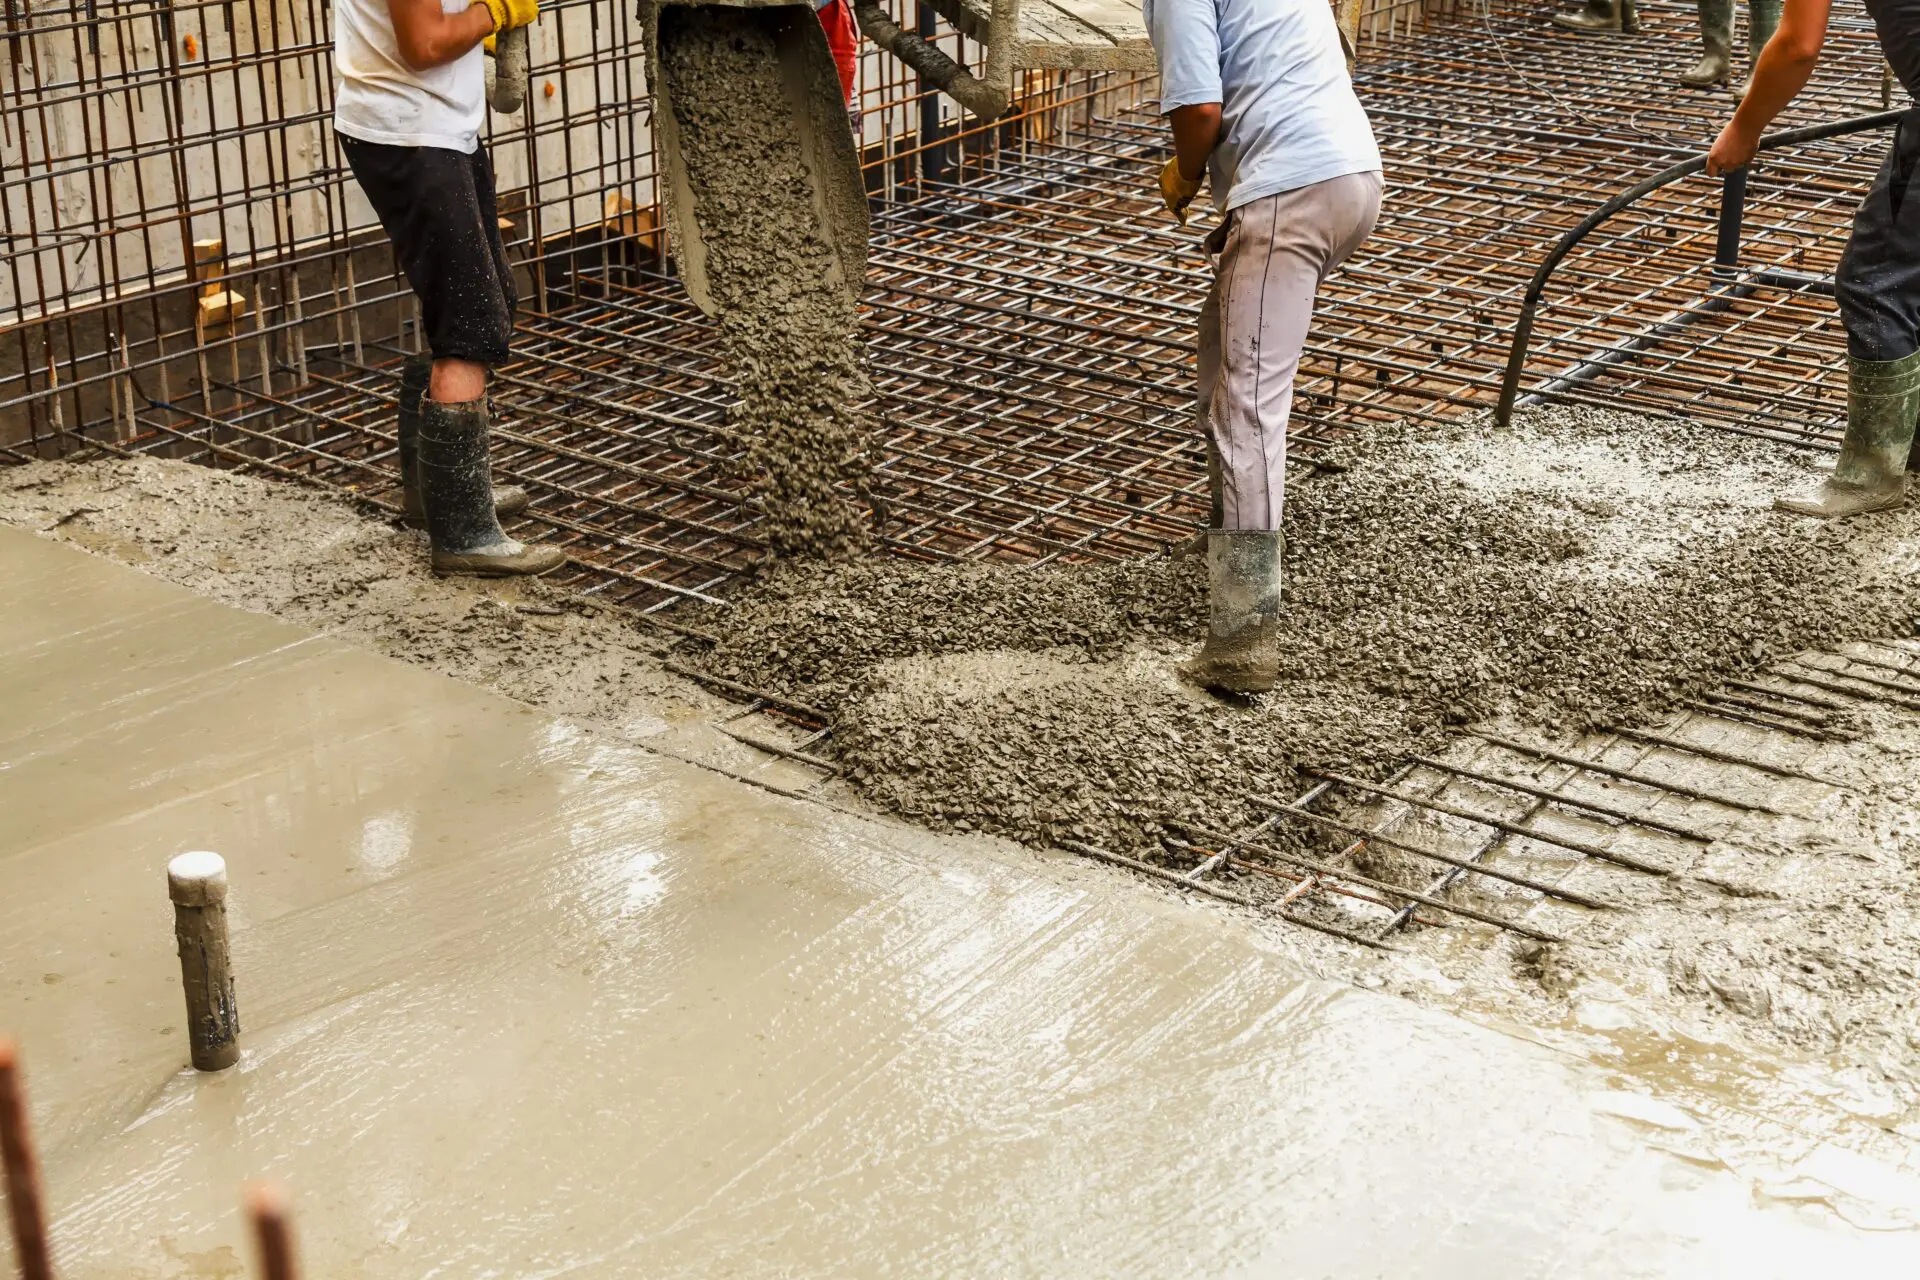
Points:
point(1029, 312)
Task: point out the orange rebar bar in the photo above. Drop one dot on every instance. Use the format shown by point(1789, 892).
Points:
point(267, 1209)
point(23, 1171)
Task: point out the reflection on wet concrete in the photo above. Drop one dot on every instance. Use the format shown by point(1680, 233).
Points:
point(521, 1002)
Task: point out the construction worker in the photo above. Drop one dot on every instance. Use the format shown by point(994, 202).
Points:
point(1602, 16)
point(843, 41)
point(1716, 31)
point(1261, 105)
point(1877, 284)
point(408, 110)
point(1716, 34)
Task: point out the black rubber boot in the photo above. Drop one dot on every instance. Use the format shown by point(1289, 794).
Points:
point(1242, 652)
point(415, 374)
point(1716, 34)
point(458, 499)
point(1598, 16)
point(1883, 403)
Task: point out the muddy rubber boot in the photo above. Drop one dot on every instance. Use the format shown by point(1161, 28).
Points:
point(1242, 652)
point(1598, 16)
point(1763, 19)
point(458, 498)
point(1883, 402)
point(508, 500)
point(1716, 33)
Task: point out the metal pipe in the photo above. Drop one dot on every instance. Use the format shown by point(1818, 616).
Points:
point(1536, 287)
point(987, 95)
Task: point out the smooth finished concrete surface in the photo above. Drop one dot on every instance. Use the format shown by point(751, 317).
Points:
point(519, 1002)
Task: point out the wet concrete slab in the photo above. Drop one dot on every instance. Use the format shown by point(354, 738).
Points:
point(520, 1001)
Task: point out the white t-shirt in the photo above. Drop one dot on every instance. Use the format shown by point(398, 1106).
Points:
point(1289, 117)
point(381, 99)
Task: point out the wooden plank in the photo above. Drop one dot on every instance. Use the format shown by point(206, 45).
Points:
point(1119, 20)
point(1054, 37)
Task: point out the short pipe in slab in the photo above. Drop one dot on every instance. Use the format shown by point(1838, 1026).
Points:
point(197, 883)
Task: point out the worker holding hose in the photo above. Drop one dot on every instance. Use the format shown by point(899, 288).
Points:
point(1877, 284)
point(408, 111)
point(1261, 106)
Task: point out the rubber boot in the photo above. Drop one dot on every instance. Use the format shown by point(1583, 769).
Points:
point(1599, 15)
point(1716, 33)
point(1883, 403)
point(457, 498)
point(1763, 19)
point(1242, 652)
point(508, 500)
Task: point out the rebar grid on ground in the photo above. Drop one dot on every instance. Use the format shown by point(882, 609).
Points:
point(1030, 329)
point(1029, 323)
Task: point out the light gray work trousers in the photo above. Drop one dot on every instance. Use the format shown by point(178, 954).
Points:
point(1270, 257)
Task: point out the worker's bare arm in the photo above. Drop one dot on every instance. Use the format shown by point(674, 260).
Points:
point(1779, 74)
point(430, 38)
point(1196, 132)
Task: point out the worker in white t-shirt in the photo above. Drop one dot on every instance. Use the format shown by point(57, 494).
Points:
point(1261, 103)
point(408, 111)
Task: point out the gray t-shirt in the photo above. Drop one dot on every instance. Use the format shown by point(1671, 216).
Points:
point(1289, 117)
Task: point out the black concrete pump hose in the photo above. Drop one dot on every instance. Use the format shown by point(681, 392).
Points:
point(1517, 354)
point(987, 95)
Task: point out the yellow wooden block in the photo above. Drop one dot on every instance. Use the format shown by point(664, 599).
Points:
point(221, 307)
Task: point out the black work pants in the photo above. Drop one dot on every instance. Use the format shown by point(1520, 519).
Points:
point(438, 210)
point(1878, 282)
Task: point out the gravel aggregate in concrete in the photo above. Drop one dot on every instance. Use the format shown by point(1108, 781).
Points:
point(789, 331)
point(1584, 567)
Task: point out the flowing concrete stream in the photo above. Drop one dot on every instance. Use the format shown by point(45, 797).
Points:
point(520, 1001)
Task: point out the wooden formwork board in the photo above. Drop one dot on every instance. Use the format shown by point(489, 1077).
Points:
point(1075, 35)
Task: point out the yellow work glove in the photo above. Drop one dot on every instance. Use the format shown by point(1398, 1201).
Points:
point(508, 14)
point(488, 44)
point(1177, 190)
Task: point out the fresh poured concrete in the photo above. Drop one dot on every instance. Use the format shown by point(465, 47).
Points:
point(519, 1002)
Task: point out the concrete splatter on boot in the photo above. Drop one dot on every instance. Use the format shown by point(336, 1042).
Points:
point(508, 500)
point(1242, 652)
point(458, 498)
point(1598, 16)
point(1883, 402)
point(1716, 34)
point(1763, 19)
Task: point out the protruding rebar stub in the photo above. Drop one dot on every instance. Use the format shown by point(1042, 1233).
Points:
point(197, 883)
point(267, 1207)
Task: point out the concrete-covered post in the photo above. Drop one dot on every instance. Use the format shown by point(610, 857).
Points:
point(197, 883)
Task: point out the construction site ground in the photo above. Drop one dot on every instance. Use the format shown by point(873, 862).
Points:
point(520, 997)
point(688, 914)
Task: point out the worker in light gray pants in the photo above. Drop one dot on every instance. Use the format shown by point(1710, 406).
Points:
point(1269, 259)
point(1262, 108)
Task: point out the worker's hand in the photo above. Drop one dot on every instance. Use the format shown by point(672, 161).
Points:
point(508, 14)
point(1733, 149)
point(1177, 189)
